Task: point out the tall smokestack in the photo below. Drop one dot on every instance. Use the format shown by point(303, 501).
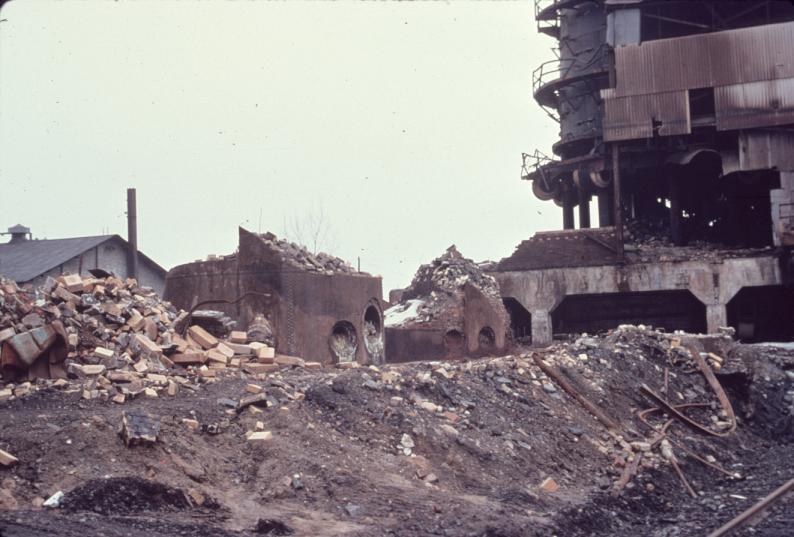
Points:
point(132, 234)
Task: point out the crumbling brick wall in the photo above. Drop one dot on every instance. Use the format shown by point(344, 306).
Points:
point(303, 307)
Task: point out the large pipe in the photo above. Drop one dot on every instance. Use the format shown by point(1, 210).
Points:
point(132, 234)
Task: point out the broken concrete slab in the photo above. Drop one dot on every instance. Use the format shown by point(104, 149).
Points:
point(139, 428)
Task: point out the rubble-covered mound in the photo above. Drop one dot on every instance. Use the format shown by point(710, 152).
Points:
point(450, 272)
point(499, 446)
point(437, 285)
point(300, 257)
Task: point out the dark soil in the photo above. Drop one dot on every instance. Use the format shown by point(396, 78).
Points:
point(485, 434)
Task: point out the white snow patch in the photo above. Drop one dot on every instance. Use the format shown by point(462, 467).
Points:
point(400, 313)
point(786, 345)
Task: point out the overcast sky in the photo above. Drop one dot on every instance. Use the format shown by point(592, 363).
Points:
point(403, 122)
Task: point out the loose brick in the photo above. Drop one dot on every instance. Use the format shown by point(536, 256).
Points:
point(93, 369)
point(255, 368)
point(202, 337)
point(259, 436)
point(266, 353)
point(283, 359)
point(147, 344)
point(238, 336)
point(73, 283)
point(102, 352)
point(191, 424)
point(189, 358)
point(213, 355)
point(224, 349)
point(254, 388)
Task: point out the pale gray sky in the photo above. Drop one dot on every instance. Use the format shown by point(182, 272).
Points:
point(404, 121)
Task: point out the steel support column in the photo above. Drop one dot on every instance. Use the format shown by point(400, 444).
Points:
point(674, 193)
point(567, 210)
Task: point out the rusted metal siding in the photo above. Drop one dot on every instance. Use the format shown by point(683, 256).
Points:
point(706, 60)
point(631, 117)
point(755, 104)
point(766, 150)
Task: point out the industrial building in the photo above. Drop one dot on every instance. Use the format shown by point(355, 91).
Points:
point(677, 123)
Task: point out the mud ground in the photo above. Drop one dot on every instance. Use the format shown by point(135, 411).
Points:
point(485, 435)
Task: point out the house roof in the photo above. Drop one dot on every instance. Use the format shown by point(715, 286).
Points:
point(23, 261)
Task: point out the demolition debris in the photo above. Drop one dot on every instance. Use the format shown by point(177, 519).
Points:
point(116, 340)
point(597, 436)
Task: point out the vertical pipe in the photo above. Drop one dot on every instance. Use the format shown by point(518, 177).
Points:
point(618, 218)
point(132, 234)
point(567, 210)
point(604, 208)
point(673, 192)
point(584, 208)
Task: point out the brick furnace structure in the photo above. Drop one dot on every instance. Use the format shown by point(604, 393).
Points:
point(320, 308)
point(451, 309)
point(677, 121)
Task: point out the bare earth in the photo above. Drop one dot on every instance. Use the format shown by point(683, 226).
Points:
point(486, 433)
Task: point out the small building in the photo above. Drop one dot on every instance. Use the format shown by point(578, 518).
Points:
point(319, 307)
point(30, 261)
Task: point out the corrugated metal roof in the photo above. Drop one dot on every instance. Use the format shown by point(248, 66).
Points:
point(25, 260)
point(756, 104)
point(706, 60)
point(632, 117)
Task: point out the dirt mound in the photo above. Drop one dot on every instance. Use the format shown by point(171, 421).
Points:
point(492, 446)
point(124, 495)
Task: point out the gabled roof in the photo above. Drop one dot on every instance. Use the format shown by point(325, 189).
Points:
point(23, 261)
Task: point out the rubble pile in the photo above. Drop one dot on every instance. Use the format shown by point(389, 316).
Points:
point(561, 441)
point(438, 284)
point(450, 272)
point(116, 340)
point(648, 241)
point(299, 257)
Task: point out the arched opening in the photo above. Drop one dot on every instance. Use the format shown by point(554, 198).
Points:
point(671, 310)
point(453, 342)
point(764, 313)
point(520, 320)
point(343, 341)
point(486, 339)
point(373, 333)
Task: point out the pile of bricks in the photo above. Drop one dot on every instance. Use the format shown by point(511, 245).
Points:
point(114, 339)
point(299, 257)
